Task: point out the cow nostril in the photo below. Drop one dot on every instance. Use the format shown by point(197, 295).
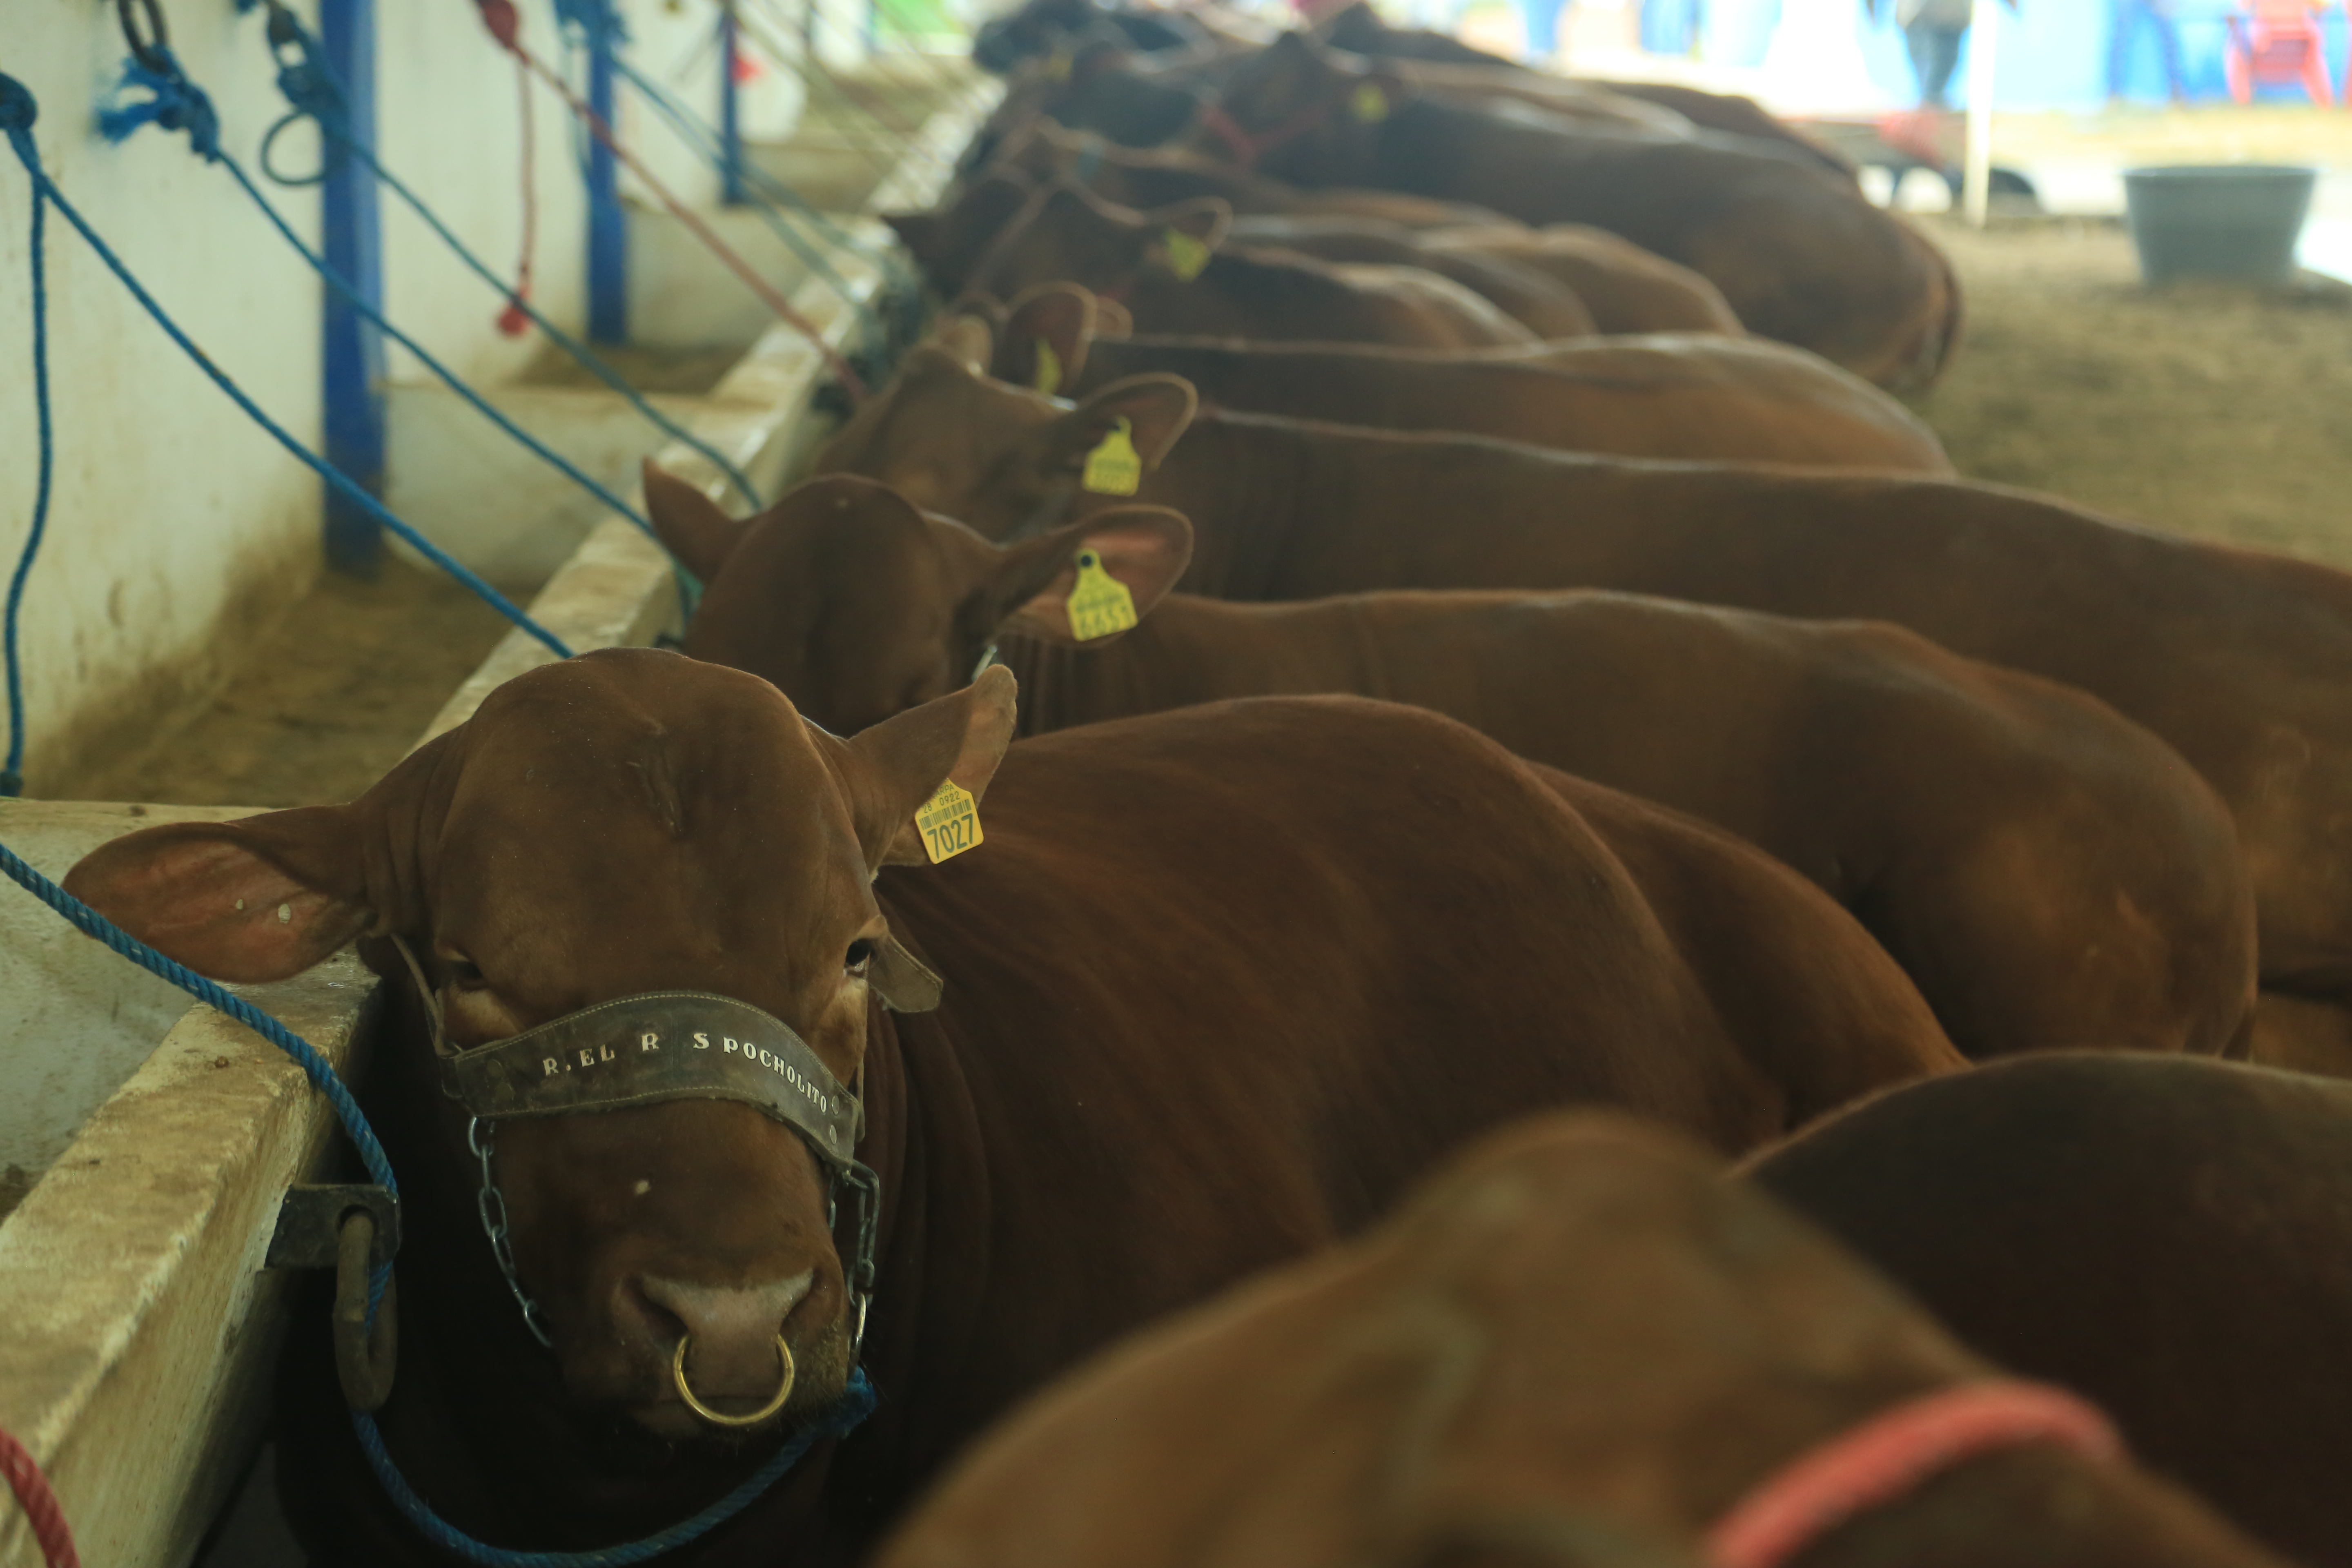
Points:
point(665, 1326)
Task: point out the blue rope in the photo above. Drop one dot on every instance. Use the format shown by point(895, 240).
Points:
point(129, 122)
point(704, 138)
point(856, 1404)
point(315, 95)
point(17, 112)
point(28, 154)
point(712, 151)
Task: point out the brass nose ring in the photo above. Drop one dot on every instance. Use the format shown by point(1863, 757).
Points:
point(767, 1411)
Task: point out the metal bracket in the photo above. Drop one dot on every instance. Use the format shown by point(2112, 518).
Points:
point(311, 1218)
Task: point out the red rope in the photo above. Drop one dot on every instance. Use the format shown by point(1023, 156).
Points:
point(39, 1503)
point(500, 17)
point(514, 320)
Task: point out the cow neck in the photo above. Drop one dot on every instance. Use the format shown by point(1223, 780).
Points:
point(475, 1420)
point(1235, 284)
point(1243, 482)
point(1189, 650)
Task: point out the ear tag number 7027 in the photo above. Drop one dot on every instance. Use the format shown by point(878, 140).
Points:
point(949, 822)
point(1100, 605)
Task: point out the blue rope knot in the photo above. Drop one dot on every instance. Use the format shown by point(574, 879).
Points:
point(175, 103)
point(19, 108)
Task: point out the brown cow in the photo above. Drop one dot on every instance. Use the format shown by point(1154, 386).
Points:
point(1626, 288)
point(1703, 396)
point(1533, 297)
point(1359, 29)
point(1798, 252)
point(2171, 1239)
point(2230, 655)
point(1578, 1345)
point(948, 239)
point(2047, 873)
point(1167, 268)
point(1217, 985)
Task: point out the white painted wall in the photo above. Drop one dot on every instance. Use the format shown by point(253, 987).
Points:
point(177, 528)
point(171, 511)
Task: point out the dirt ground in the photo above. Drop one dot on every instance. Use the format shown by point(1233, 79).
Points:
point(2206, 409)
point(325, 703)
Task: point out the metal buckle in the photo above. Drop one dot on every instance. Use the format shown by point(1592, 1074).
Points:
point(312, 1217)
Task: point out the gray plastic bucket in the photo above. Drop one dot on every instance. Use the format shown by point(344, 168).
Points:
point(2233, 221)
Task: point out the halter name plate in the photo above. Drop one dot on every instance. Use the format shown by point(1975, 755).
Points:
point(662, 1046)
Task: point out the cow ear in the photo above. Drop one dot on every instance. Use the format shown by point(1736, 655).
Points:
point(900, 763)
point(1203, 221)
point(259, 899)
point(968, 340)
point(1157, 409)
point(1112, 320)
point(688, 523)
point(1046, 336)
point(1143, 548)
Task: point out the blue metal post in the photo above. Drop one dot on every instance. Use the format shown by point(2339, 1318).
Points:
point(730, 115)
point(351, 349)
point(608, 232)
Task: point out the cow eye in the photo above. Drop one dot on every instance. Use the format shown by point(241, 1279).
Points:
point(861, 953)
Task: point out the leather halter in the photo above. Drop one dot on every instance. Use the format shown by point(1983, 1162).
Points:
point(1247, 149)
point(1892, 1454)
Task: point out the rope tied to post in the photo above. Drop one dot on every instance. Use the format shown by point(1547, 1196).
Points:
point(173, 102)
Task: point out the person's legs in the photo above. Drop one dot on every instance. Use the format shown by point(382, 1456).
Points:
point(2122, 17)
point(1934, 56)
point(1543, 28)
point(2168, 41)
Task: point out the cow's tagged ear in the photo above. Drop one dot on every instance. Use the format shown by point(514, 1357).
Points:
point(259, 899)
point(689, 523)
point(1143, 549)
point(1184, 236)
point(1157, 409)
point(902, 762)
point(1046, 336)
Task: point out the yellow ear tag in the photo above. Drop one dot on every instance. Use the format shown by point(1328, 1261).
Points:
point(1058, 66)
point(1113, 468)
point(1100, 604)
point(949, 822)
point(1370, 104)
point(1186, 254)
point(1048, 378)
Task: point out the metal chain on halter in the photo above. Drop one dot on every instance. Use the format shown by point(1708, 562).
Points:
point(491, 1204)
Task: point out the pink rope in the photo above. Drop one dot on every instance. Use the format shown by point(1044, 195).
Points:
point(1892, 1454)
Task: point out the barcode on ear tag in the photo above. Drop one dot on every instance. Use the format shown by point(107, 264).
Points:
point(1113, 468)
point(1100, 604)
point(1369, 104)
point(1186, 254)
point(1048, 377)
point(949, 822)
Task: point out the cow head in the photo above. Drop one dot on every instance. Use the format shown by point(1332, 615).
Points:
point(947, 240)
point(1043, 339)
point(1302, 113)
point(618, 823)
point(860, 607)
point(1067, 233)
point(1003, 460)
point(1034, 29)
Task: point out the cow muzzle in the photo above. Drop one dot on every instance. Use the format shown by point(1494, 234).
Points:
point(645, 1050)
